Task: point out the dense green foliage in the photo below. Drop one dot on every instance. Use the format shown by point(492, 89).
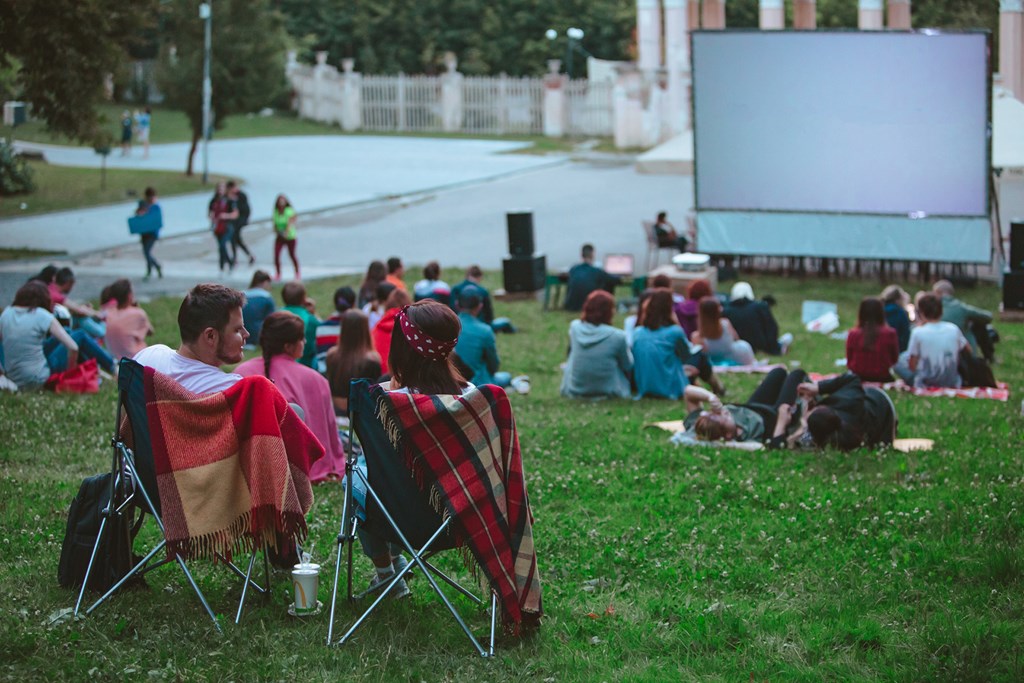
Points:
point(388, 36)
point(64, 49)
point(246, 67)
point(15, 173)
point(659, 563)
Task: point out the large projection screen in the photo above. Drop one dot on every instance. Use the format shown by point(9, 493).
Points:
point(842, 144)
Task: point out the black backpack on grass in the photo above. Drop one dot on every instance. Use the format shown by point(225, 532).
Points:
point(114, 558)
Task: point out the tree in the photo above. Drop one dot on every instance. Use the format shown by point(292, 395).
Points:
point(388, 36)
point(63, 50)
point(246, 69)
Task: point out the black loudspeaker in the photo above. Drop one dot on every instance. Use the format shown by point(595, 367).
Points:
point(520, 233)
point(1013, 291)
point(525, 274)
point(1017, 244)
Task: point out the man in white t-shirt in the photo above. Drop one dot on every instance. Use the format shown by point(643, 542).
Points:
point(934, 350)
point(212, 334)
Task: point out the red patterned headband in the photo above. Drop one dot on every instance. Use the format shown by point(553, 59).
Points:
point(421, 342)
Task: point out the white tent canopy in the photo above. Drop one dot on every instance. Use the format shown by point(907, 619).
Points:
point(1007, 131)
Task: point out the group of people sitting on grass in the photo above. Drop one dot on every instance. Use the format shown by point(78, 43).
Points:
point(354, 341)
point(948, 344)
point(674, 342)
point(44, 333)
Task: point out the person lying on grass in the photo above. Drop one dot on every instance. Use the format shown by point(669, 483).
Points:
point(765, 416)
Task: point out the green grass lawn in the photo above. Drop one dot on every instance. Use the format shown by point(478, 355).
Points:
point(66, 187)
point(659, 563)
point(172, 126)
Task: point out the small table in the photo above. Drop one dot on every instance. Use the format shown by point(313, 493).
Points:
point(681, 279)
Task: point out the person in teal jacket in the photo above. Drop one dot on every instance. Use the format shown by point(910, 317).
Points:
point(659, 349)
point(296, 301)
point(477, 348)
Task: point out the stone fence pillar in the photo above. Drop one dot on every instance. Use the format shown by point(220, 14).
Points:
point(805, 14)
point(1011, 46)
point(869, 15)
point(451, 95)
point(320, 70)
point(351, 97)
point(713, 14)
point(772, 15)
point(628, 102)
point(648, 34)
point(899, 14)
point(677, 53)
point(555, 101)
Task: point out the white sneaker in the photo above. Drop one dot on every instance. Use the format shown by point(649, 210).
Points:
point(380, 581)
point(399, 563)
point(521, 384)
point(784, 342)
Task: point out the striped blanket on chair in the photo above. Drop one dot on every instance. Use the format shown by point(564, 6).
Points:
point(468, 445)
point(232, 467)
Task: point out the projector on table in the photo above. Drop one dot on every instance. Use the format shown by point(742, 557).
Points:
point(691, 262)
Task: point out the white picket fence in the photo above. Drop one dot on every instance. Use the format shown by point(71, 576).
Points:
point(503, 105)
point(486, 105)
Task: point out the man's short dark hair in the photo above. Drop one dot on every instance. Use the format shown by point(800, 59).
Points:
point(293, 294)
point(207, 305)
point(149, 193)
point(474, 272)
point(930, 306)
point(64, 276)
point(231, 184)
point(344, 299)
point(587, 251)
point(394, 263)
point(470, 297)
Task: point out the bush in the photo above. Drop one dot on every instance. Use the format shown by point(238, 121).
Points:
point(15, 173)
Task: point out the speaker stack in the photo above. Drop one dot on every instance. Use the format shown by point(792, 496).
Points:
point(523, 270)
point(1013, 282)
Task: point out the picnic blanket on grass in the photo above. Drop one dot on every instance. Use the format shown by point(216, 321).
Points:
point(468, 447)
point(760, 367)
point(997, 393)
point(232, 467)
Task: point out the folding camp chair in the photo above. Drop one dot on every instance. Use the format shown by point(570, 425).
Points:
point(396, 511)
point(134, 492)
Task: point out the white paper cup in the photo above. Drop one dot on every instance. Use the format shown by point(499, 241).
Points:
point(307, 584)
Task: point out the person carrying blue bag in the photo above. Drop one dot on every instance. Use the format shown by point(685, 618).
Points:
point(146, 223)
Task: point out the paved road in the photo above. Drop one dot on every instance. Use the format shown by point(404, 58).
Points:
point(598, 201)
point(316, 172)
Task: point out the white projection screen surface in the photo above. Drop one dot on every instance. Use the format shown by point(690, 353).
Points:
point(842, 144)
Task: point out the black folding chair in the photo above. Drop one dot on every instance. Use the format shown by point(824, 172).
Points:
point(134, 493)
point(396, 511)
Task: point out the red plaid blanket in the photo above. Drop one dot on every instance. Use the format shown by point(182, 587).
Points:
point(469, 446)
point(998, 393)
point(232, 467)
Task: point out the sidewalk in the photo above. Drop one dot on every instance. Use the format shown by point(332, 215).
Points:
point(315, 172)
point(601, 201)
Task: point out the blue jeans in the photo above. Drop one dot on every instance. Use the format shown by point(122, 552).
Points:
point(57, 354)
point(148, 241)
point(93, 328)
point(902, 368)
point(223, 247)
point(373, 545)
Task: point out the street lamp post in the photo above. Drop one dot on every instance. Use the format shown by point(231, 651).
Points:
point(205, 14)
point(574, 35)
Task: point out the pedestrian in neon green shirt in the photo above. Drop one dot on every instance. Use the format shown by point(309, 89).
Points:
point(284, 227)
